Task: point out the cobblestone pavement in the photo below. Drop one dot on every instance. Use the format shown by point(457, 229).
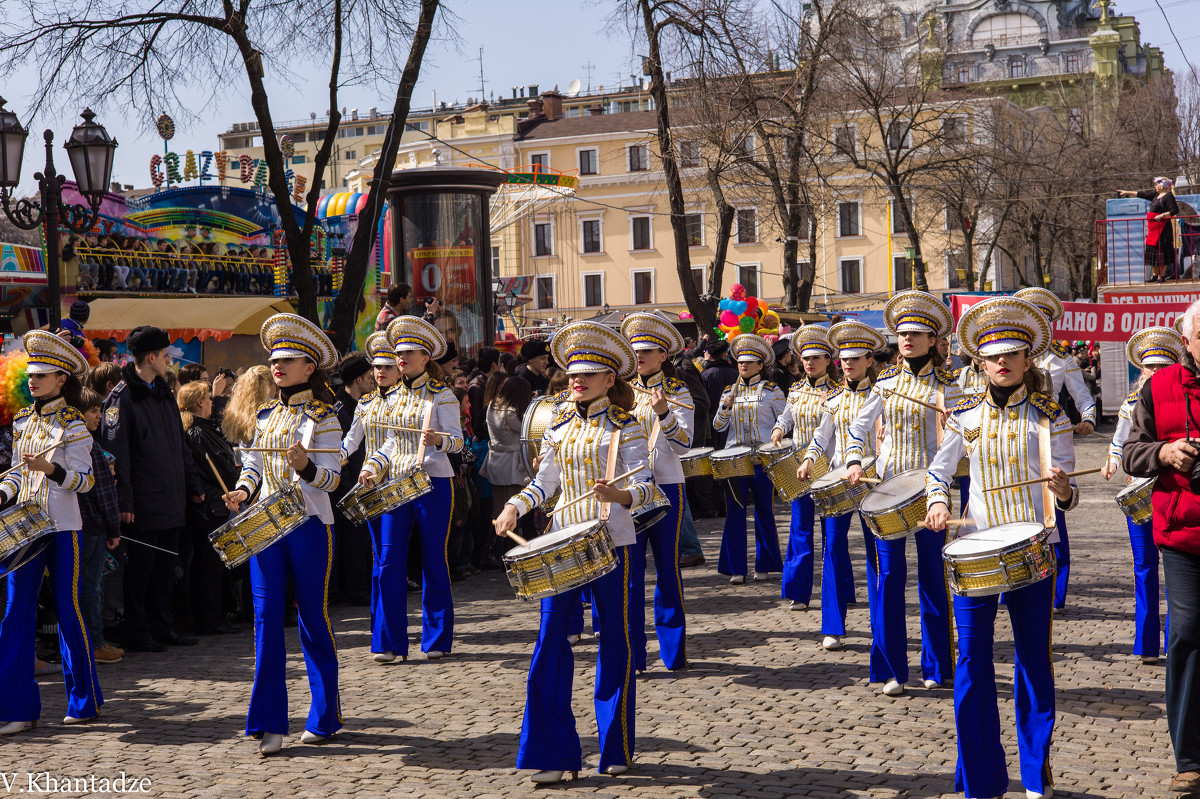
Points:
point(762, 713)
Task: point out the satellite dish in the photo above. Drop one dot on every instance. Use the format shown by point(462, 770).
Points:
point(573, 88)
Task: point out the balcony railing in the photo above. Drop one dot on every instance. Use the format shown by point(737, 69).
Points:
point(1121, 252)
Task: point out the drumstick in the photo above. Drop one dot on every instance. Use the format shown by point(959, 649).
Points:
point(514, 536)
point(959, 522)
point(670, 401)
point(808, 393)
point(279, 449)
point(870, 480)
point(922, 403)
point(216, 474)
point(7, 472)
point(411, 429)
point(592, 493)
point(1079, 473)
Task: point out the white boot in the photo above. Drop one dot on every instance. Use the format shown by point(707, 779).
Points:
point(616, 770)
point(271, 743)
point(931, 684)
point(435, 654)
point(737, 579)
point(551, 777)
point(387, 656)
point(312, 738)
point(832, 642)
point(14, 727)
point(893, 688)
point(794, 605)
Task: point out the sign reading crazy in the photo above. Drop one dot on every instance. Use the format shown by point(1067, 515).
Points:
point(170, 169)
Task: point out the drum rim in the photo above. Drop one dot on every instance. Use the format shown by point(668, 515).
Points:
point(898, 504)
point(1136, 486)
point(526, 421)
point(743, 450)
point(991, 553)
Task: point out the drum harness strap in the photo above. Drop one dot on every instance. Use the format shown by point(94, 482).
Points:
point(1044, 456)
point(610, 470)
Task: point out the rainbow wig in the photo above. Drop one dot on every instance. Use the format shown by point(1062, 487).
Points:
point(14, 386)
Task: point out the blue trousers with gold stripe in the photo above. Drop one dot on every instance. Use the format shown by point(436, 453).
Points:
point(669, 624)
point(306, 555)
point(20, 699)
point(1062, 556)
point(1145, 587)
point(797, 582)
point(837, 573)
point(733, 539)
point(982, 770)
point(549, 740)
point(889, 627)
point(429, 514)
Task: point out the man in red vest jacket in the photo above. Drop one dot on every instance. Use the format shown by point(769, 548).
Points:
point(1164, 442)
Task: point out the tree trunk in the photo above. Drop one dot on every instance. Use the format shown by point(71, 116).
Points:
point(703, 312)
point(809, 278)
point(725, 217)
point(345, 306)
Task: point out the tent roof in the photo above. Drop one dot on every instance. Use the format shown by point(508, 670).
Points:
point(187, 318)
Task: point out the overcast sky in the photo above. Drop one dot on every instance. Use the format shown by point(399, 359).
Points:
point(543, 42)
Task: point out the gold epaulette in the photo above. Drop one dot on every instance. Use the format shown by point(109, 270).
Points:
point(967, 403)
point(68, 414)
point(620, 417)
point(1060, 349)
point(317, 410)
point(23, 413)
point(944, 375)
point(1049, 407)
point(890, 371)
point(266, 407)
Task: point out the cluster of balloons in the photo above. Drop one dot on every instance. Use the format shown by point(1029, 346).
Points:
point(743, 314)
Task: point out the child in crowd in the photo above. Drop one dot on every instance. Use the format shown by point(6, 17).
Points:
point(101, 531)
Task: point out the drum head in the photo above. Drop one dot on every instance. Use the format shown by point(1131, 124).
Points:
point(1135, 487)
point(839, 474)
point(551, 540)
point(993, 538)
point(785, 446)
point(894, 490)
point(732, 452)
point(698, 452)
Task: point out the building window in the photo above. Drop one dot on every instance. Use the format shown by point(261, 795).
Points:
point(801, 268)
point(689, 153)
point(543, 292)
point(698, 278)
point(1073, 62)
point(848, 219)
point(901, 274)
point(588, 162)
point(899, 134)
point(746, 147)
point(1075, 119)
point(851, 274)
point(844, 139)
point(543, 239)
point(694, 224)
point(1016, 68)
point(590, 236)
point(964, 74)
point(748, 277)
point(643, 286)
point(495, 261)
point(593, 289)
point(898, 218)
point(639, 233)
point(639, 157)
point(953, 220)
point(299, 159)
point(956, 269)
point(954, 130)
point(747, 226)
point(349, 155)
point(539, 161)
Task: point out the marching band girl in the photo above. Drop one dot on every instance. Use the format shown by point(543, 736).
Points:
point(912, 434)
point(1061, 369)
point(577, 458)
point(1148, 350)
point(51, 479)
point(800, 417)
point(425, 403)
point(1005, 432)
point(300, 419)
point(669, 427)
point(854, 342)
point(375, 410)
point(748, 410)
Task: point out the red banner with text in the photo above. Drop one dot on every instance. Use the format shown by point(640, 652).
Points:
point(1087, 321)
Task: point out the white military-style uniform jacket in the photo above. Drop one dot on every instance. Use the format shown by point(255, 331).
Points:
point(972, 381)
point(757, 403)
point(675, 430)
point(1003, 446)
point(36, 428)
point(301, 418)
point(840, 409)
point(1124, 424)
point(803, 412)
point(375, 409)
point(412, 403)
point(910, 430)
point(1063, 369)
point(575, 453)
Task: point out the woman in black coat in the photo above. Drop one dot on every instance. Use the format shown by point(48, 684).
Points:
point(208, 577)
point(1160, 234)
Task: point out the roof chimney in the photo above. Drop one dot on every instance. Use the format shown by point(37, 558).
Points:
point(552, 104)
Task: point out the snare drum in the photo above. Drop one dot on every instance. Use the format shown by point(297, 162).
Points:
point(964, 468)
point(538, 417)
point(896, 507)
point(1134, 500)
point(649, 512)
point(365, 503)
point(733, 462)
point(769, 453)
point(697, 462)
point(25, 530)
point(999, 559)
point(562, 560)
point(259, 526)
point(783, 474)
point(832, 493)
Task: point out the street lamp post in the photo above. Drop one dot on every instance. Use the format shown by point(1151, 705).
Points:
point(90, 151)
